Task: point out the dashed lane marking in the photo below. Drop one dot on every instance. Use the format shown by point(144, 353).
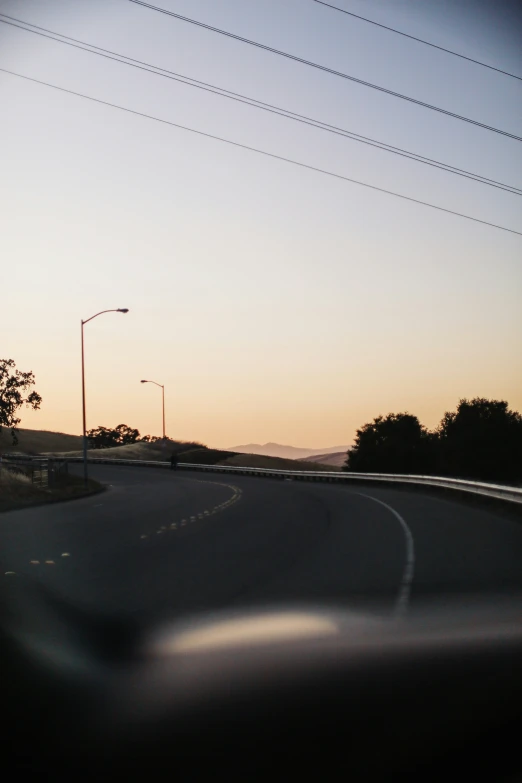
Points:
point(235, 497)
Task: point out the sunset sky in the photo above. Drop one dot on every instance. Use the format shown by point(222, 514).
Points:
point(274, 303)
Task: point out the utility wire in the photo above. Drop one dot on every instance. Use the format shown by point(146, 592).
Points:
point(282, 112)
point(327, 70)
point(420, 40)
point(262, 152)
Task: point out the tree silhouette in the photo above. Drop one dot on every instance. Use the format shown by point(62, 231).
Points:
point(396, 443)
point(106, 438)
point(482, 439)
point(14, 392)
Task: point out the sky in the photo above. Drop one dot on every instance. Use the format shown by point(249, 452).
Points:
point(273, 302)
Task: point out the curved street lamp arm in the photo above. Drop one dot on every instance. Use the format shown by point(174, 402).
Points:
point(118, 310)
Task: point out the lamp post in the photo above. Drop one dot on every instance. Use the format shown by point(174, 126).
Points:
point(163, 401)
point(118, 310)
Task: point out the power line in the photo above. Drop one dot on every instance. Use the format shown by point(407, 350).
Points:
point(327, 70)
point(420, 40)
point(282, 112)
point(262, 152)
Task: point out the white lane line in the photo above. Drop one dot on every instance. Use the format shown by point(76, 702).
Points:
point(403, 596)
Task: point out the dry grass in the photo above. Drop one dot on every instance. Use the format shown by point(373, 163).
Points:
point(205, 456)
point(38, 441)
point(157, 452)
point(277, 463)
point(13, 481)
point(335, 460)
point(17, 491)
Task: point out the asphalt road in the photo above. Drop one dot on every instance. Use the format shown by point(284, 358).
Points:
point(159, 544)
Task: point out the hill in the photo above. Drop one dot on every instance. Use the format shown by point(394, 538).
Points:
point(286, 452)
point(38, 441)
point(62, 445)
point(276, 463)
point(331, 460)
point(158, 451)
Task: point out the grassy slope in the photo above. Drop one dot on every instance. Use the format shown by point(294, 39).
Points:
point(38, 441)
point(277, 463)
point(337, 459)
point(159, 452)
point(60, 444)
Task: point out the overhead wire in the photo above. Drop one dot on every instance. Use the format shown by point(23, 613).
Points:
point(326, 69)
point(254, 102)
point(419, 40)
point(265, 153)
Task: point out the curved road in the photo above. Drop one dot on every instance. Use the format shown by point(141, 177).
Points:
point(161, 544)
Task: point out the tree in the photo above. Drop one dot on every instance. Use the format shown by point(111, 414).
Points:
point(127, 434)
point(106, 438)
point(396, 443)
point(14, 392)
point(482, 440)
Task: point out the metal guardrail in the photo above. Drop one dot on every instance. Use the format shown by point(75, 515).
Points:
point(498, 491)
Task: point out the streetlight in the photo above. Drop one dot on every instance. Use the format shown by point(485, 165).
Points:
point(163, 400)
point(119, 310)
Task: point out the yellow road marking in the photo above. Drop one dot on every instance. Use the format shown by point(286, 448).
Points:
point(206, 513)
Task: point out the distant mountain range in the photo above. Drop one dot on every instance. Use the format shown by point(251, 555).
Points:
point(288, 452)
